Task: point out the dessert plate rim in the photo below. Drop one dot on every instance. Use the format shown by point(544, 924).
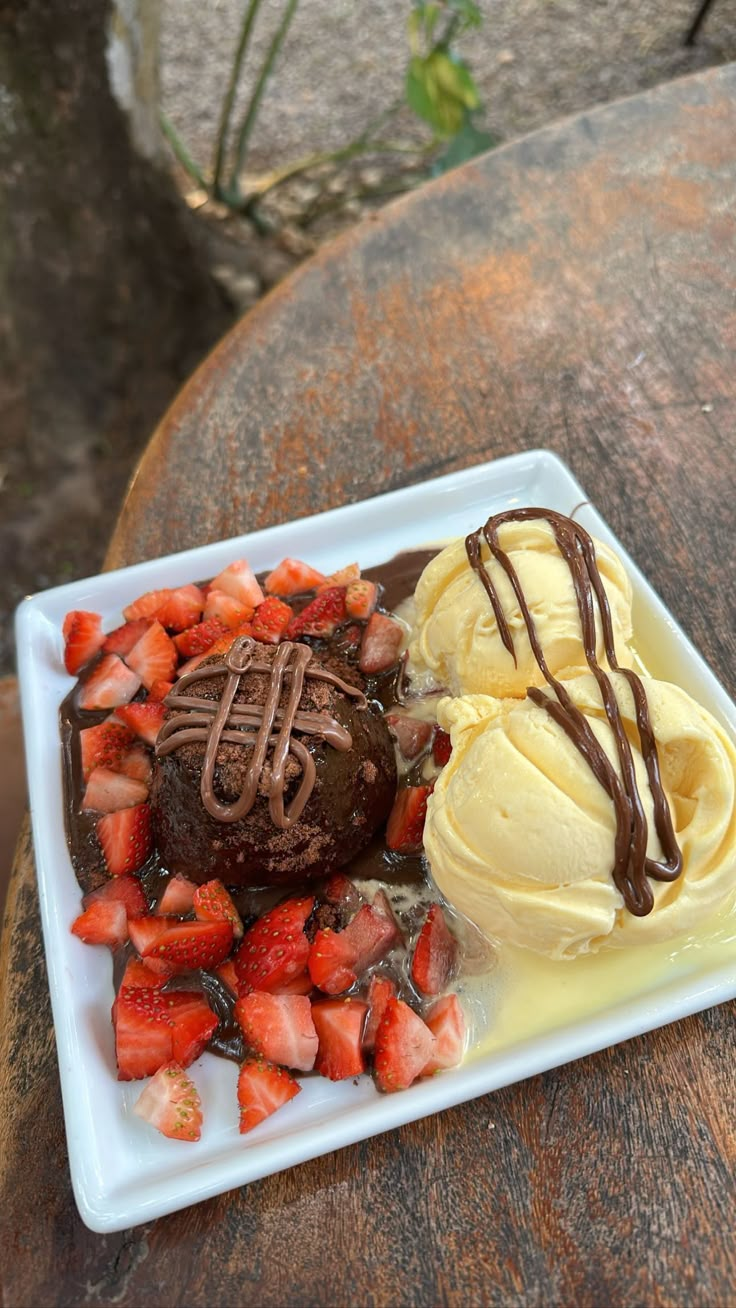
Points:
point(121, 1175)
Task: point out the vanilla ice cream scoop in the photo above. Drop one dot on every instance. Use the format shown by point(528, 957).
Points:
point(520, 834)
point(456, 638)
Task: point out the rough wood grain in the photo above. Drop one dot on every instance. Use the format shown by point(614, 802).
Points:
point(575, 290)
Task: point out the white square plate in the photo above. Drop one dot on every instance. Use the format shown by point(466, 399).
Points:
point(123, 1172)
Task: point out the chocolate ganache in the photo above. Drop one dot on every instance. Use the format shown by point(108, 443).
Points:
point(631, 864)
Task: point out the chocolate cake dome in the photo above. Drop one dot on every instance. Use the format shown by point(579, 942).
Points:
point(271, 767)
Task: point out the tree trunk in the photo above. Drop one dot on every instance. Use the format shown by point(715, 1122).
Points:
point(106, 301)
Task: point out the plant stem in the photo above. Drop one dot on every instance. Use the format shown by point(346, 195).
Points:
point(262, 185)
point(181, 152)
point(229, 98)
point(251, 112)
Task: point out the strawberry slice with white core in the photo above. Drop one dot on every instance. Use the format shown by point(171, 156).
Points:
point(170, 1103)
point(380, 990)
point(182, 609)
point(154, 1026)
point(105, 922)
point(108, 792)
point(279, 1028)
point(404, 1046)
point(239, 581)
point(446, 1021)
point(212, 903)
point(361, 598)
point(122, 639)
point(226, 609)
point(412, 735)
point(109, 685)
point(144, 719)
point(125, 838)
point(137, 763)
point(292, 577)
point(104, 746)
point(148, 605)
point(339, 1027)
point(138, 975)
point(145, 931)
point(191, 945)
point(405, 826)
point(154, 656)
point(197, 641)
point(178, 897)
point(127, 890)
point(274, 949)
point(338, 958)
point(262, 1088)
point(83, 636)
point(435, 953)
point(159, 690)
point(381, 643)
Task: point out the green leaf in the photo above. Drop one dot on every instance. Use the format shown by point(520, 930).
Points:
point(466, 144)
point(455, 79)
point(440, 90)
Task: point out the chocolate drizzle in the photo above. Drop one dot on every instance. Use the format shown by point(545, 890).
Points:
point(261, 727)
point(631, 865)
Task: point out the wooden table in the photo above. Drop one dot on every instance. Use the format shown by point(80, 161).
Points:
point(574, 290)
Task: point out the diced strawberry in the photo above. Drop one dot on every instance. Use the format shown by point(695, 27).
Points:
point(441, 747)
point(239, 581)
point(380, 990)
point(105, 922)
point(279, 1028)
point(212, 903)
point(146, 606)
point(125, 890)
point(194, 1026)
point(144, 719)
point(322, 615)
point(104, 746)
point(337, 958)
point(228, 975)
point(404, 1046)
point(152, 1026)
point(292, 577)
point(274, 949)
point(350, 637)
point(342, 577)
point(435, 953)
point(144, 931)
point(110, 684)
point(170, 1103)
point(199, 639)
point(262, 1088)
point(446, 1022)
point(271, 620)
point(220, 646)
point(83, 636)
point(382, 904)
point(227, 610)
point(125, 838)
point(343, 892)
point(154, 656)
point(299, 985)
point(412, 734)
point(178, 897)
point(182, 609)
point(339, 1027)
point(361, 598)
point(381, 643)
point(159, 690)
point(122, 639)
point(405, 827)
point(136, 763)
point(109, 792)
point(138, 975)
point(190, 945)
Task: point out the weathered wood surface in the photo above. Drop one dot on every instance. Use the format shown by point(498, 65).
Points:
point(575, 290)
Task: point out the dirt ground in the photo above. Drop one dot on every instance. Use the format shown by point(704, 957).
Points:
point(343, 63)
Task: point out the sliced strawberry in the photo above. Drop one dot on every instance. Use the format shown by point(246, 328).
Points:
point(146, 606)
point(109, 792)
point(137, 763)
point(178, 897)
point(159, 690)
point(299, 985)
point(125, 890)
point(342, 577)
point(144, 931)
point(199, 639)
point(122, 639)
point(212, 903)
point(446, 1022)
point(182, 609)
point(435, 953)
point(105, 922)
point(405, 827)
point(110, 684)
point(227, 610)
point(239, 581)
point(411, 734)
point(144, 719)
point(152, 1026)
point(170, 1103)
point(380, 990)
point(262, 1088)
point(154, 656)
point(321, 617)
point(339, 1027)
point(125, 838)
point(138, 975)
point(83, 636)
point(441, 747)
point(381, 644)
point(404, 1046)
point(382, 904)
point(337, 958)
point(104, 746)
point(292, 577)
point(342, 892)
point(220, 646)
point(361, 598)
point(228, 976)
point(275, 949)
point(194, 1026)
point(190, 945)
point(279, 1028)
point(271, 620)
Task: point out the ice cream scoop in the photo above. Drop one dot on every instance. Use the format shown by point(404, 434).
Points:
point(520, 834)
point(456, 636)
